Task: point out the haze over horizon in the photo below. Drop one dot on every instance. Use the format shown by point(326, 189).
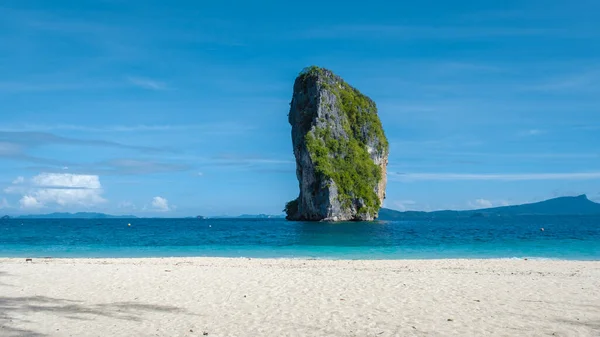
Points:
point(178, 109)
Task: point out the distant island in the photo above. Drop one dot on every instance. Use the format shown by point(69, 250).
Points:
point(579, 205)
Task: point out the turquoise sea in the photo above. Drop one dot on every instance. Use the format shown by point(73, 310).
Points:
point(563, 237)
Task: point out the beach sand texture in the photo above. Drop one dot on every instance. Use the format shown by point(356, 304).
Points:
point(283, 297)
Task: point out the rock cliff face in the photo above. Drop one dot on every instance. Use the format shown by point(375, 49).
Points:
point(340, 147)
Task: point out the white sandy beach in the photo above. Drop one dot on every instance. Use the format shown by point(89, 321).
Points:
point(256, 297)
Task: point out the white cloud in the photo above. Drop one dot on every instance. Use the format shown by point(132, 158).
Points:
point(160, 204)
point(69, 197)
point(17, 186)
point(482, 203)
point(200, 174)
point(29, 202)
point(14, 189)
point(62, 189)
point(66, 180)
point(147, 83)
point(404, 177)
point(4, 203)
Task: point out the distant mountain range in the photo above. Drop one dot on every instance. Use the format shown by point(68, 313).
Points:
point(579, 205)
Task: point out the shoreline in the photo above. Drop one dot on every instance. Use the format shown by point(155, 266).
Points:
point(285, 262)
point(515, 258)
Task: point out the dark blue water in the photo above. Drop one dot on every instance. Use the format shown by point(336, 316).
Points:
point(498, 237)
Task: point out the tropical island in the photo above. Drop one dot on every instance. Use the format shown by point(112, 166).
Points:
point(340, 147)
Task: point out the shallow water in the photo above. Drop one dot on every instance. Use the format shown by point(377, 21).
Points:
point(564, 237)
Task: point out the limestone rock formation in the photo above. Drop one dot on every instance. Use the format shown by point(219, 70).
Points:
point(340, 148)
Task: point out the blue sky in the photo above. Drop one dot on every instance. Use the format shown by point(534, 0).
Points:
point(180, 108)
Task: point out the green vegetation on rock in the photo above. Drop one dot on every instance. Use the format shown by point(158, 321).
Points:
point(360, 110)
point(345, 160)
point(291, 207)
